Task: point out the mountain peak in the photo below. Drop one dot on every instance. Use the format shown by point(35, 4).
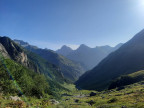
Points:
point(83, 46)
point(64, 47)
point(21, 42)
point(65, 50)
point(5, 38)
point(105, 46)
point(25, 44)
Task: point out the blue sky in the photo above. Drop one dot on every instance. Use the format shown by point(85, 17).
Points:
point(53, 23)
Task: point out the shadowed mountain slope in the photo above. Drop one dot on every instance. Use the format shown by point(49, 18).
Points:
point(127, 59)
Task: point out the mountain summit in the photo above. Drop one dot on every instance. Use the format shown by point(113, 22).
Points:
point(90, 57)
point(65, 50)
point(83, 47)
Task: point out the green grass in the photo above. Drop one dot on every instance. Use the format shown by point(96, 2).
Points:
point(131, 97)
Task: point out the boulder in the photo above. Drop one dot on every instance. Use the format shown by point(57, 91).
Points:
point(124, 106)
point(76, 100)
point(67, 99)
point(53, 101)
point(92, 94)
point(15, 98)
point(91, 102)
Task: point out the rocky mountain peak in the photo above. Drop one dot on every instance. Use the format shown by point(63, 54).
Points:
point(83, 47)
point(64, 47)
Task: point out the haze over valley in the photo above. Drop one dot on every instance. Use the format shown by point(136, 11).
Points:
point(71, 54)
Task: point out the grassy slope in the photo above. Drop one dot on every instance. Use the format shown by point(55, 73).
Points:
point(32, 85)
point(130, 97)
point(127, 79)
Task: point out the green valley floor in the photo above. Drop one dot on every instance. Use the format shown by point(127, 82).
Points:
point(131, 96)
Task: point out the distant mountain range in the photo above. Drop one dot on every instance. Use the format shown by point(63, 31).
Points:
point(86, 56)
point(126, 60)
point(70, 69)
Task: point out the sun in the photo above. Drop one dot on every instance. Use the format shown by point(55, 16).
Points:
point(142, 3)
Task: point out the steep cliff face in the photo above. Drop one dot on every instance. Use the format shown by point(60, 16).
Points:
point(13, 51)
point(3, 51)
point(22, 58)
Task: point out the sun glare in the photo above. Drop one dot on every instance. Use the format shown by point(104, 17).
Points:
point(142, 3)
point(141, 6)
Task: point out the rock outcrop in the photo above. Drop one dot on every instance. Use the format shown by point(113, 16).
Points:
point(12, 50)
point(15, 98)
point(3, 51)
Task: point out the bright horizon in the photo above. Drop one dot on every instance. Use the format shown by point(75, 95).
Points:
point(54, 23)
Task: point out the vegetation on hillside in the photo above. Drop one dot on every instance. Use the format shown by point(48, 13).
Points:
point(70, 69)
point(32, 64)
point(131, 96)
point(16, 79)
point(42, 66)
point(127, 79)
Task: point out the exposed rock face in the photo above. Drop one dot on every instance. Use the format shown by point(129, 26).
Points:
point(10, 49)
point(3, 51)
point(22, 58)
